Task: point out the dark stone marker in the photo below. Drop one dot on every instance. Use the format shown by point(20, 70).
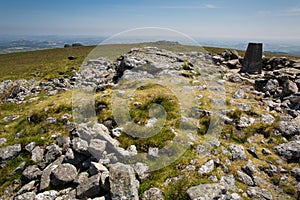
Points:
point(252, 63)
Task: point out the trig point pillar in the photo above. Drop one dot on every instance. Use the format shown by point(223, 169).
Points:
point(252, 63)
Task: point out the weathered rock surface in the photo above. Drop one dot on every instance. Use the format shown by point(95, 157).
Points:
point(9, 152)
point(259, 194)
point(153, 194)
point(63, 174)
point(123, 184)
point(290, 150)
point(238, 152)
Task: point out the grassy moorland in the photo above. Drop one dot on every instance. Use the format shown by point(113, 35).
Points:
point(52, 63)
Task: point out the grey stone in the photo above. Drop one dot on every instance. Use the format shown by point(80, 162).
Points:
point(53, 152)
point(10, 118)
point(2, 141)
point(26, 196)
point(89, 188)
point(153, 152)
point(153, 194)
point(289, 128)
point(9, 152)
point(289, 87)
point(266, 151)
point(37, 154)
point(31, 173)
point(252, 151)
point(267, 118)
point(47, 195)
point(239, 94)
point(51, 120)
point(123, 184)
point(63, 174)
point(81, 178)
point(238, 152)
point(142, 171)
point(207, 168)
point(249, 168)
point(244, 178)
point(206, 191)
point(66, 194)
point(63, 141)
point(290, 150)
point(296, 173)
point(20, 168)
point(246, 121)
point(97, 147)
point(259, 194)
point(271, 86)
point(29, 147)
point(97, 168)
point(27, 188)
point(45, 179)
point(229, 182)
point(252, 62)
point(80, 146)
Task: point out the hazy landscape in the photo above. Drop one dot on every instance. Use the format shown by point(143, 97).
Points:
point(11, 44)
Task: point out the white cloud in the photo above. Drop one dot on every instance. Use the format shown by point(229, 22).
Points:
point(208, 6)
point(287, 12)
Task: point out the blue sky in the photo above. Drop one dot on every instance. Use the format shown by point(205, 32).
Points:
point(273, 19)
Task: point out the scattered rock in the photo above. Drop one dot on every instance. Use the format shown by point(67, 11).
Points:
point(9, 152)
point(80, 146)
point(37, 154)
point(244, 178)
point(206, 168)
point(296, 173)
point(142, 171)
point(63, 174)
point(259, 194)
point(31, 173)
point(89, 188)
point(267, 118)
point(290, 150)
point(249, 168)
point(153, 194)
point(29, 147)
point(123, 184)
point(239, 94)
point(238, 152)
point(47, 195)
point(2, 141)
point(252, 151)
point(26, 196)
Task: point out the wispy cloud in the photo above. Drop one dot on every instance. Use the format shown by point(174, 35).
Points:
point(295, 11)
point(202, 6)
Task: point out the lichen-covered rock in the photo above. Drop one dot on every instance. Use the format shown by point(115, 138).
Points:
point(37, 154)
point(123, 184)
point(207, 167)
point(89, 188)
point(47, 195)
point(257, 193)
point(9, 152)
point(26, 196)
point(238, 152)
point(31, 173)
point(290, 150)
point(63, 174)
point(244, 178)
point(153, 194)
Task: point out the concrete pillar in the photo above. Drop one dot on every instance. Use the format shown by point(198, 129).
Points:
point(252, 63)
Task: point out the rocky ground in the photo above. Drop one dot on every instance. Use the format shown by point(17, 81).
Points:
point(255, 156)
